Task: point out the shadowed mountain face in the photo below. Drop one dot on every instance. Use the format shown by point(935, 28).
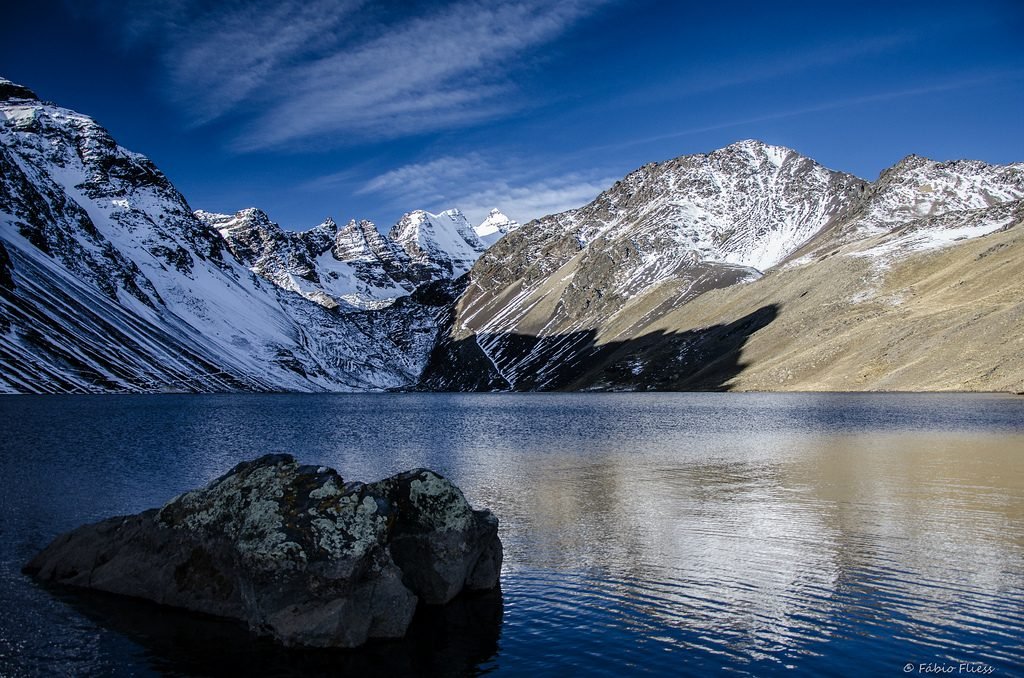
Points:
point(705, 359)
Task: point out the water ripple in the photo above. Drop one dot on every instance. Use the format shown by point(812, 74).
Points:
point(677, 533)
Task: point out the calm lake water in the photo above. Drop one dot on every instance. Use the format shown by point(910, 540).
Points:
point(644, 533)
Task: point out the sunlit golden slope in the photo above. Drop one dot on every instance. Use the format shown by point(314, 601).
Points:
point(946, 319)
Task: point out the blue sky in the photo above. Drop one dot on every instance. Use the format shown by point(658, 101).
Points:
point(356, 109)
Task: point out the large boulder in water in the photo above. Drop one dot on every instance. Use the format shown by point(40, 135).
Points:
point(292, 550)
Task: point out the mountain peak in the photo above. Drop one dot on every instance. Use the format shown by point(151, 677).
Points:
point(254, 213)
point(912, 160)
point(443, 242)
point(328, 224)
point(12, 90)
point(746, 144)
point(490, 230)
point(759, 149)
point(907, 164)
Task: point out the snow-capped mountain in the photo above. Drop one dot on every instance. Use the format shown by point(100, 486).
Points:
point(495, 225)
point(548, 304)
point(748, 267)
point(441, 245)
point(927, 193)
point(109, 282)
point(355, 266)
point(678, 228)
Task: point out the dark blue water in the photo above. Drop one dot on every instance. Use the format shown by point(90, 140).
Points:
point(647, 533)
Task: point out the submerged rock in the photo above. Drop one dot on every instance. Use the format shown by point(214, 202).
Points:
point(292, 550)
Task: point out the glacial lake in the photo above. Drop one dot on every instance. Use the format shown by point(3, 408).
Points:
point(664, 534)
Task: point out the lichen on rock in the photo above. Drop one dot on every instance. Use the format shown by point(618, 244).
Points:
point(449, 506)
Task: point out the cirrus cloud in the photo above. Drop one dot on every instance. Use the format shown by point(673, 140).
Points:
point(328, 73)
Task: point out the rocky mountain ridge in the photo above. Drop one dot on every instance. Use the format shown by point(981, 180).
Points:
point(745, 267)
point(356, 265)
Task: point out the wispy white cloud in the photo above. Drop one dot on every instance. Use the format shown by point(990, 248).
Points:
point(524, 202)
point(427, 181)
point(216, 58)
point(476, 185)
point(332, 72)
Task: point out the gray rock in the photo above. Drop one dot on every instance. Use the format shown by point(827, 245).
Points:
point(440, 543)
point(294, 551)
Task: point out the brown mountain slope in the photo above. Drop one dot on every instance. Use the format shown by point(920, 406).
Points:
point(946, 319)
